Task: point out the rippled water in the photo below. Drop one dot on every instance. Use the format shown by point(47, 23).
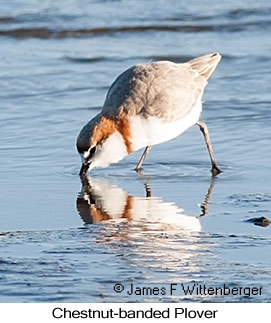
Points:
point(67, 241)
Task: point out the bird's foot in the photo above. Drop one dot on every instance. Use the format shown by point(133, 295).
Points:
point(139, 171)
point(216, 170)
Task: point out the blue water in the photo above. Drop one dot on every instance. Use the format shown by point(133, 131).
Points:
point(62, 241)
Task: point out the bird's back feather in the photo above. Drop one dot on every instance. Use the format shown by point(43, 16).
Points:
point(163, 89)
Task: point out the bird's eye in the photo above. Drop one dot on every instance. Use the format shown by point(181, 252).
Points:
point(91, 152)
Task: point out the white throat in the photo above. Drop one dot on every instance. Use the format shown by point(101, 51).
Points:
point(111, 151)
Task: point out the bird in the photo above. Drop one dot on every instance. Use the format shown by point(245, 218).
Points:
point(146, 105)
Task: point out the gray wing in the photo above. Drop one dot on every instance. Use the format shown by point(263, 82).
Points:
point(163, 89)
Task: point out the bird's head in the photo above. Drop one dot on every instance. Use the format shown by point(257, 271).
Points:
point(100, 143)
point(87, 157)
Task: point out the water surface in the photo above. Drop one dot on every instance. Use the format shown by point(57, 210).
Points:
point(67, 241)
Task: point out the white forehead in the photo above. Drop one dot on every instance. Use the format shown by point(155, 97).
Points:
point(84, 155)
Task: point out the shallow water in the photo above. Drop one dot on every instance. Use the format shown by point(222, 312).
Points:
point(67, 241)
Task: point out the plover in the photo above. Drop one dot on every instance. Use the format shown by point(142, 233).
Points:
point(146, 105)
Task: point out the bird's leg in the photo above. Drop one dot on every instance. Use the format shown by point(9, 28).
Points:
point(138, 167)
point(148, 190)
point(204, 130)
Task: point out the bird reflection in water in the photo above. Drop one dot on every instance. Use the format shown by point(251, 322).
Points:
point(147, 238)
point(99, 201)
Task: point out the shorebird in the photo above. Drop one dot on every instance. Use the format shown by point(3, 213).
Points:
point(146, 105)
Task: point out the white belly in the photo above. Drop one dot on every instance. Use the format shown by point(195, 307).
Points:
point(153, 131)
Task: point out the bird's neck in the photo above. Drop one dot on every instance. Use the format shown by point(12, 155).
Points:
point(112, 151)
point(106, 127)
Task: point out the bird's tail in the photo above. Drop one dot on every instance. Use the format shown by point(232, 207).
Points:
point(206, 64)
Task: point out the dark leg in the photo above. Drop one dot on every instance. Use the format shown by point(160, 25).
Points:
point(204, 130)
point(138, 167)
point(205, 205)
point(148, 190)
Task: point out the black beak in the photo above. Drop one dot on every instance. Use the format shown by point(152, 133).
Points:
point(84, 169)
